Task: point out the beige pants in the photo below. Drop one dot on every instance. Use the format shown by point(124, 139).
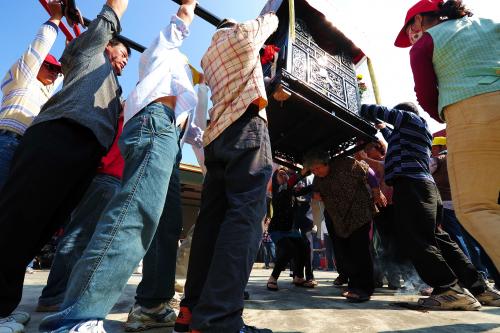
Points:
point(473, 140)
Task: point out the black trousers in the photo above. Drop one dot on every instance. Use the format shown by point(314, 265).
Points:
point(229, 226)
point(289, 248)
point(437, 259)
point(357, 260)
point(338, 254)
point(51, 170)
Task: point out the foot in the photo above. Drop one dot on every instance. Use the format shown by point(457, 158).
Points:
point(356, 296)
point(20, 317)
point(141, 318)
point(183, 321)
point(253, 329)
point(29, 270)
point(47, 308)
point(490, 297)
point(272, 284)
point(451, 300)
point(340, 280)
point(9, 325)
point(91, 326)
point(309, 284)
point(298, 281)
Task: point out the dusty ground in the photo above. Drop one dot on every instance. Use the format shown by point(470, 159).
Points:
point(294, 309)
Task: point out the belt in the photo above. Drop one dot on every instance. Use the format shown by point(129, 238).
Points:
point(11, 134)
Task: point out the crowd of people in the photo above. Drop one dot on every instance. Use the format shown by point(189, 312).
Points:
point(106, 169)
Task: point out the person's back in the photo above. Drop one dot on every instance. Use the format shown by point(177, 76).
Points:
point(466, 44)
point(234, 73)
point(409, 144)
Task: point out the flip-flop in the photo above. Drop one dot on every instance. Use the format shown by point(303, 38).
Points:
point(271, 283)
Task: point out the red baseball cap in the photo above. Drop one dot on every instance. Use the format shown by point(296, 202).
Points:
point(423, 6)
point(50, 59)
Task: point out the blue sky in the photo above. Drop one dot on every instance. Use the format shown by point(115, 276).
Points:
point(20, 19)
point(378, 20)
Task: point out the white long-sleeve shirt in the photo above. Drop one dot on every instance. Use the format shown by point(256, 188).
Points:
point(164, 71)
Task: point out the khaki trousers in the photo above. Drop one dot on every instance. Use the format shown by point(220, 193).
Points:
point(473, 140)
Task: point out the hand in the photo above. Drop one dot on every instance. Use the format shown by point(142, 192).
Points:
point(119, 6)
point(55, 9)
point(201, 79)
point(379, 198)
point(316, 196)
point(380, 125)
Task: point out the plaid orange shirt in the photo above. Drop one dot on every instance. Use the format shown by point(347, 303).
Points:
point(234, 73)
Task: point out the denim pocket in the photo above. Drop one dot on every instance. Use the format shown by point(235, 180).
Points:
point(161, 121)
point(131, 135)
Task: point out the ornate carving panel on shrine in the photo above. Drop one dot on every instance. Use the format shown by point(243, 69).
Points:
point(331, 75)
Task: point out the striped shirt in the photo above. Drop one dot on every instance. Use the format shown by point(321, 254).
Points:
point(410, 143)
point(234, 73)
point(23, 94)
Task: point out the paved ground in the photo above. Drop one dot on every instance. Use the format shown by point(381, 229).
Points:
point(298, 310)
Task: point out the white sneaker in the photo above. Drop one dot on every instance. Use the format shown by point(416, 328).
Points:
point(20, 317)
point(91, 326)
point(9, 325)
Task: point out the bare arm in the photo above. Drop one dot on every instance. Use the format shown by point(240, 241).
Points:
point(56, 13)
point(118, 6)
point(186, 11)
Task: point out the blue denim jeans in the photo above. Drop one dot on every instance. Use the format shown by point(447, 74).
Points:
point(150, 147)
point(77, 235)
point(269, 253)
point(8, 146)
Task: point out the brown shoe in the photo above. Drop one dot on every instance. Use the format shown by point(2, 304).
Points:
point(48, 308)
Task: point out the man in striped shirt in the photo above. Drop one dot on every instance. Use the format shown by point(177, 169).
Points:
point(418, 209)
point(27, 85)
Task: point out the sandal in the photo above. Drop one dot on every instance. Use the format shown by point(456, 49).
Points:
point(309, 284)
point(299, 281)
point(272, 285)
point(357, 297)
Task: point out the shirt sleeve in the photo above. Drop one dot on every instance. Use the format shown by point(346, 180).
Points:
point(261, 28)
point(424, 76)
point(196, 127)
point(27, 67)
point(386, 133)
point(392, 116)
point(99, 33)
point(372, 179)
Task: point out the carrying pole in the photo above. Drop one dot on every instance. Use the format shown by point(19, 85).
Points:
point(204, 14)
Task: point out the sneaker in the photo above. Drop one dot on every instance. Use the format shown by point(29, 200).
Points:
point(140, 318)
point(451, 300)
point(91, 326)
point(9, 325)
point(253, 329)
point(490, 297)
point(183, 320)
point(29, 270)
point(20, 317)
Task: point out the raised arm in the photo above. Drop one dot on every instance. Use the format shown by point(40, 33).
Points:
point(118, 6)
point(391, 116)
point(186, 11)
point(261, 28)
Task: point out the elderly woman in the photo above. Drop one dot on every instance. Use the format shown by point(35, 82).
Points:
point(342, 184)
point(455, 66)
